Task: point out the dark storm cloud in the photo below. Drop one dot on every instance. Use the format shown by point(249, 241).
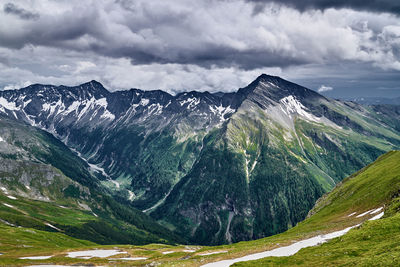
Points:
point(22, 13)
point(390, 6)
point(149, 34)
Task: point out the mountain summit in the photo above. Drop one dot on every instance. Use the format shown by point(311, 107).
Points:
point(216, 168)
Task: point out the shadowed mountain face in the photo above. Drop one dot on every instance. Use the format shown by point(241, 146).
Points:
point(215, 168)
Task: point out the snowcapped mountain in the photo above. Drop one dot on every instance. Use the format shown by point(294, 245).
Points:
point(218, 167)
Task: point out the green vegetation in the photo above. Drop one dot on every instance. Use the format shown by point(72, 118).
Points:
point(373, 243)
point(76, 205)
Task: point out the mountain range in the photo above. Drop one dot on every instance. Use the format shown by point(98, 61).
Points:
point(206, 168)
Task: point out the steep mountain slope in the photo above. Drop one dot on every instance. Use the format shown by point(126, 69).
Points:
point(216, 168)
point(37, 193)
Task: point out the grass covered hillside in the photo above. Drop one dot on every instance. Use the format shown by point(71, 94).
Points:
point(46, 186)
point(371, 243)
point(374, 243)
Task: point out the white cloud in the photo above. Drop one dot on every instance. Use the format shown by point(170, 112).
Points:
point(324, 88)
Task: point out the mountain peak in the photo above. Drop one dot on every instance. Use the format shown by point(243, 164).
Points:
point(267, 77)
point(267, 89)
point(94, 87)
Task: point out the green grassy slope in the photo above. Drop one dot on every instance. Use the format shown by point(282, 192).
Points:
point(43, 174)
point(373, 243)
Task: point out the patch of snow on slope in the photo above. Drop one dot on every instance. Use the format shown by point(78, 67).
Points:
point(192, 102)
point(4, 104)
point(155, 108)
point(8, 205)
point(363, 214)
point(291, 249)
point(52, 226)
point(100, 253)
point(376, 217)
point(12, 197)
point(290, 105)
point(283, 251)
point(93, 103)
point(131, 195)
point(144, 102)
point(73, 107)
point(376, 211)
point(221, 111)
point(53, 108)
point(95, 168)
point(107, 115)
point(1, 139)
point(36, 258)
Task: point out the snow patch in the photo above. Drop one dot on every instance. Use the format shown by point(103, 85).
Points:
point(221, 111)
point(291, 249)
point(376, 211)
point(4, 104)
point(192, 102)
point(8, 205)
point(1, 139)
point(144, 102)
point(93, 103)
point(52, 226)
point(167, 252)
point(283, 251)
point(189, 250)
point(73, 107)
point(107, 115)
point(36, 258)
point(351, 214)
point(12, 197)
point(290, 105)
point(131, 195)
point(99, 253)
point(376, 217)
point(363, 214)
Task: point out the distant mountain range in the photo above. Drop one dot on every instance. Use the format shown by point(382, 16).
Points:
point(374, 100)
point(212, 168)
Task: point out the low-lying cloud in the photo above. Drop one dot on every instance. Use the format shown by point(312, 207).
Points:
point(324, 88)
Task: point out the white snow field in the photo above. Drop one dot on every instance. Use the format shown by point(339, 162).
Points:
point(100, 253)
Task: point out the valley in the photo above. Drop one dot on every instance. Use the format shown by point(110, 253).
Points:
point(367, 202)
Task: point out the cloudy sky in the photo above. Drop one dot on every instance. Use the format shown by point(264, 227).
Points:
point(342, 48)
